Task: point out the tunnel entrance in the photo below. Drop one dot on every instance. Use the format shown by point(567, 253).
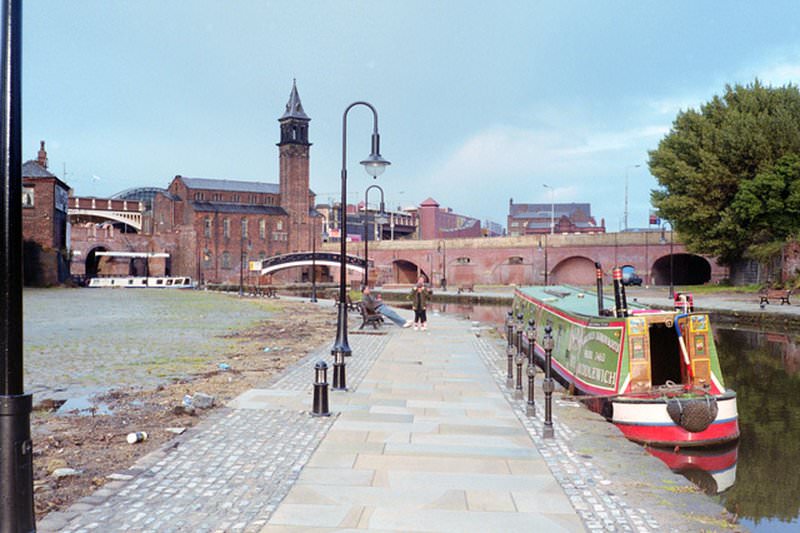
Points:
point(687, 269)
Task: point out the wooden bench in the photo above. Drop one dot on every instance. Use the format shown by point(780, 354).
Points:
point(351, 305)
point(467, 287)
point(262, 291)
point(776, 294)
point(373, 318)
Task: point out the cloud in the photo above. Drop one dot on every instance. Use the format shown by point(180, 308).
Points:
point(503, 162)
point(670, 106)
point(780, 74)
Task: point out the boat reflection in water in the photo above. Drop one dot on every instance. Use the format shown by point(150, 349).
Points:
point(713, 470)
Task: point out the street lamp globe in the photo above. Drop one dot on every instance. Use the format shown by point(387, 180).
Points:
point(375, 164)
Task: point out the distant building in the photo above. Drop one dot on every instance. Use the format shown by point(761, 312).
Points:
point(532, 219)
point(398, 224)
point(493, 229)
point(436, 222)
point(207, 228)
point(44, 223)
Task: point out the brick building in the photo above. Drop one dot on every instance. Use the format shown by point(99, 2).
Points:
point(206, 228)
point(436, 222)
point(44, 223)
point(535, 219)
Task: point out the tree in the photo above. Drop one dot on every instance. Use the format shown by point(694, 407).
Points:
point(708, 164)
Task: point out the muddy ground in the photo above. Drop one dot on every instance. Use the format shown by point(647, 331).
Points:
point(94, 444)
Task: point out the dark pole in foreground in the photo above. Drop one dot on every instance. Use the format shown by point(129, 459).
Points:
point(16, 450)
point(547, 386)
point(531, 370)
point(374, 165)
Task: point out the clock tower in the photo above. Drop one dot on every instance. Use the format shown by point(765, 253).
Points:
point(294, 171)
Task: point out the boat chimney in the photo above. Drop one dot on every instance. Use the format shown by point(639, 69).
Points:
point(599, 270)
point(619, 306)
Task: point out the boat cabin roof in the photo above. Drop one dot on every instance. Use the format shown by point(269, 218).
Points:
point(574, 300)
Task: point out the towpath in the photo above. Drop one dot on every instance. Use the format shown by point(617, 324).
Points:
point(427, 438)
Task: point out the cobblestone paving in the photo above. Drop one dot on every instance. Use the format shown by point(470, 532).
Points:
point(228, 474)
point(582, 480)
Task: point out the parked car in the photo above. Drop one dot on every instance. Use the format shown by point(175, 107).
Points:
point(632, 279)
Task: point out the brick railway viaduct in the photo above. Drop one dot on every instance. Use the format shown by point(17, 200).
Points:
point(536, 259)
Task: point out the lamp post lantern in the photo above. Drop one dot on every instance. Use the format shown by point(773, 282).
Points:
point(374, 165)
point(377, 219)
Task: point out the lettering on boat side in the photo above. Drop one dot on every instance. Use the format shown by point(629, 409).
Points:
point(601, 375)
point(595, 353)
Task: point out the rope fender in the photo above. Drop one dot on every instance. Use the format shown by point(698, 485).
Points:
point(693, 414)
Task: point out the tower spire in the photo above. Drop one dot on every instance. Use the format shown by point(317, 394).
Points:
point(294, 107)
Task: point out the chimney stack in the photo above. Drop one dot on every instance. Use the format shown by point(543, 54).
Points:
point(41, 158)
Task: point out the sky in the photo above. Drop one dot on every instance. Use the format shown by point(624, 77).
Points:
point(478, 102)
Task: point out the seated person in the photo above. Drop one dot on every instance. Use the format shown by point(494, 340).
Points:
point(374, 304)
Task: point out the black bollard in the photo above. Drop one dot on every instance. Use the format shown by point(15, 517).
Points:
point(531, 370)
point(518, 332)
point(520, 359)
point(339, 381)
point(547, 386)
point(511, 336)
point(320, 390)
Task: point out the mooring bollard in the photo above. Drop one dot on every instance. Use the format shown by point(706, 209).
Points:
point(520, 330)
point(520, 359)
point(531, 370)
point(320, 390)
point(547, 386)
point(339, 381)
point(510, 336)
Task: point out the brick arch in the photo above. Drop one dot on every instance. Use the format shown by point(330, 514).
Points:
point(405, 271)
point(688, 269)
point(574, 270)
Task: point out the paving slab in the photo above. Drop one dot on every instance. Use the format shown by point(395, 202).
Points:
point(438, 467)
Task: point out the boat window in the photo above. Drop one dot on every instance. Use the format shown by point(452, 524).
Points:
point(169, 282)
point(515, 260)
point(159, 282)
point(130, 282)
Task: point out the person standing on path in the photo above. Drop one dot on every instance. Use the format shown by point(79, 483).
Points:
point(375, 304)
point(419, 303)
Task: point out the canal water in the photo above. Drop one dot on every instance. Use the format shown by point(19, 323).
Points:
point(757, 479)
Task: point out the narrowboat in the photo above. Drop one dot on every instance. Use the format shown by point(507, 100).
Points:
point(141, 282)
point(655, 374)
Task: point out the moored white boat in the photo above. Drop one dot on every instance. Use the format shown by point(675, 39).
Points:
point(141, 282)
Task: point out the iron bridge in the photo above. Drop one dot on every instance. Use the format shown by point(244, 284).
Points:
point(281, 262)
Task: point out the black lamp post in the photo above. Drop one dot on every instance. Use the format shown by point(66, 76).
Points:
point(382, 215)
point(16, 450)
point(671, 257)
point(374, 165)
point(313, 259)
point(243, 257)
